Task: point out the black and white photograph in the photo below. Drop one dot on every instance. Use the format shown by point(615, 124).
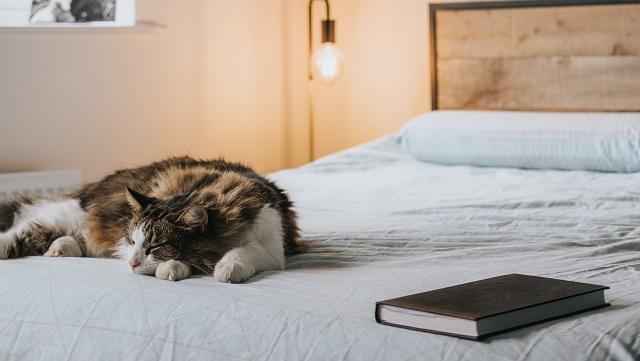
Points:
point(72, 11)
point(320, 180)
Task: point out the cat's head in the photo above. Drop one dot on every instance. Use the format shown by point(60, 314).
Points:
point(161, 230)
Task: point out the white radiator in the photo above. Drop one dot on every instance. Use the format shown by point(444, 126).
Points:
point(38, 183)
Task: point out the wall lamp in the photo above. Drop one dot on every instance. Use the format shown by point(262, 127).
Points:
point(324, 64)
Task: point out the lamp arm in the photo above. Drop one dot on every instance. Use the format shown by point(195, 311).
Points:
point(328, 15)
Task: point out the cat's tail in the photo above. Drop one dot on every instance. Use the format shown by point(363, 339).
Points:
point(301, 246)
point(297, 247)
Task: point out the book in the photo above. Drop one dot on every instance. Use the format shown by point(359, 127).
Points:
point(479, 309)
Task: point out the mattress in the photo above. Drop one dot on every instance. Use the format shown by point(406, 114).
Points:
point(380, 225)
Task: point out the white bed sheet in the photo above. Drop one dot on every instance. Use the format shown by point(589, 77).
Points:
point(381, 225)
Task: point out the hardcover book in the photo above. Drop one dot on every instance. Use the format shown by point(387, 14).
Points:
point(487, 307)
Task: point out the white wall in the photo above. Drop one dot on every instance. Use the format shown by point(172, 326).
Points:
point(210, 86)
point(99, 100)
point(227, 79)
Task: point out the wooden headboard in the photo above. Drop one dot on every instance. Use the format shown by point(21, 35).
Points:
point(540, 55)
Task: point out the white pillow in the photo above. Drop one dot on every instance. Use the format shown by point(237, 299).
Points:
point(607, 142)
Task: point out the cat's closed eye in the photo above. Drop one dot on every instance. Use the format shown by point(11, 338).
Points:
point(154, 246)
point(129, 240)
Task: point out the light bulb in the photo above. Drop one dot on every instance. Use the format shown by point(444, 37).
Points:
point(327, 62)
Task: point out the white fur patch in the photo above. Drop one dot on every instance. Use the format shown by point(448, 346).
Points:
point(126, 251)
point(137, 236)
point(67, 215)
point(147, 266)
point(135, 253)
point(122, 249)
point(262, 250)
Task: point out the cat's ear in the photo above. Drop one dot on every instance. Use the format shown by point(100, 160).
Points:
point(195, 217)
point(137, 200)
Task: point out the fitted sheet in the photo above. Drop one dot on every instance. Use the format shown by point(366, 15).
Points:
point(380, 225)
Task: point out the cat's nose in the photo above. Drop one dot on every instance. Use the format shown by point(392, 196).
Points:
point(134, 263)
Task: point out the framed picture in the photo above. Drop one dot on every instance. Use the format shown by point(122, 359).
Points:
point(67, 13)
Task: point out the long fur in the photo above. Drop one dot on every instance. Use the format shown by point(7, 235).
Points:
point(189, 211)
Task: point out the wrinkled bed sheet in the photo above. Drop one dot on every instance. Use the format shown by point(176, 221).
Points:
point(381, 225)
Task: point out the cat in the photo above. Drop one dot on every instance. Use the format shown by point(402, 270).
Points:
point(169, 219)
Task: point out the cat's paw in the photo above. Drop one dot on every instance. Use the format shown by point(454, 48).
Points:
point(233, 272)
point(7, 244)
point(173, 270)
point(64, 247)
point(5, 248)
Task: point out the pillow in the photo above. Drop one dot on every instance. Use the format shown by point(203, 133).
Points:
point(607, 142)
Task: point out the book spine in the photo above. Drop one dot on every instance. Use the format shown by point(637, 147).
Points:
point(377, 313)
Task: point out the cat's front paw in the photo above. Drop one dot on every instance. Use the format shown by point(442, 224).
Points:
point(7, 244)
point(64, 247)
point(4, 250)
point(232, 272)
point(173, 270)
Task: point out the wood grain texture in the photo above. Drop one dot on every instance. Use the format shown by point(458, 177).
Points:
point(581, 83)
point(563, 58)
point(519, 32)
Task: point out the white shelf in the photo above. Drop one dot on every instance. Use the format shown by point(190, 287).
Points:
point(143, 27)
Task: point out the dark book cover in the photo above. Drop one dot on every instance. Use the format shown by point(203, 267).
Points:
point(491, 296)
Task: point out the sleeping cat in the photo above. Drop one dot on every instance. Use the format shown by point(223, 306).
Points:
point(167, 219)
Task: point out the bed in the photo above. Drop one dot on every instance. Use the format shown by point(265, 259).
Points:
point(381, 224)
point(375, 235)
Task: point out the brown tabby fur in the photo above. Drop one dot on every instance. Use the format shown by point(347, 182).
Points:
point(169, 195)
